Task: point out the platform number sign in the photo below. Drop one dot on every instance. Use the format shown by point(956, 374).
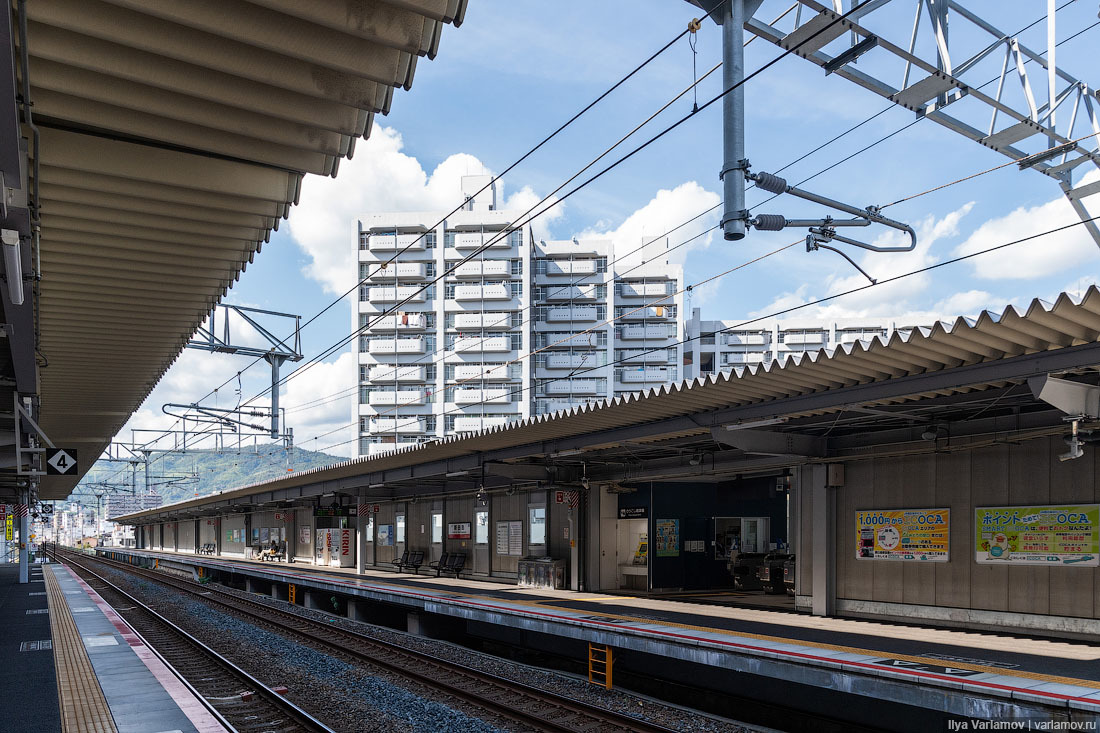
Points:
point(61, 462)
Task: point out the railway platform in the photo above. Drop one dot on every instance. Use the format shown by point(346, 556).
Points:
point(947, 671)
point(79, 668)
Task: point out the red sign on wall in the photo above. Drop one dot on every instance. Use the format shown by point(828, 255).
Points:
point(559, 497)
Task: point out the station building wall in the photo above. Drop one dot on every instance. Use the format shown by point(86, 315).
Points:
point(185, 536)
point(230, 524)
point(169, 539)
point(208, 531)
point(961, 590)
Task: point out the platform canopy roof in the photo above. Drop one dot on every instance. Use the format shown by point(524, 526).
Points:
point(947, 387)
point(173, 138)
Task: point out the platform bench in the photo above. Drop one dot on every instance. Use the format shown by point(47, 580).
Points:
point(207, 549)
point(453, 562)
point(410, 559)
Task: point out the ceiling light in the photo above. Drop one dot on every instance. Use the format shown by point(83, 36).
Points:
point(457, 474)
point(564, 453)
point(747, 424)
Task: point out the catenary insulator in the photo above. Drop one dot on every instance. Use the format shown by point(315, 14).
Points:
point(771, 183)
point(769, 222)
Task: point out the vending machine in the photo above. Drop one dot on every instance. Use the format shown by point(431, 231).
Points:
point(343, 550)
point(322, 549)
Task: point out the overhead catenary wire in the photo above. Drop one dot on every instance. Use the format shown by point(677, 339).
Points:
point(531, 214)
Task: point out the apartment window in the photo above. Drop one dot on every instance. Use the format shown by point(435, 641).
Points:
point(517, 341)
point(364, 344)
point(516, 319)
point(363, 239)
point(429, 269)
point(364, 270)
point(516, 289)
point(429, 424)
point(515, 238)
point(429, 372)
point(448, 239)
point(449, 290)
point(364, 423)
point(540, 266)
point(601, 264)
point(517, 267)
point(364, 293)
point(364, 373)
point(429, 240)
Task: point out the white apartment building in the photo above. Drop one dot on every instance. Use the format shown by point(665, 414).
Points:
point(457, 356)
point(716, 346)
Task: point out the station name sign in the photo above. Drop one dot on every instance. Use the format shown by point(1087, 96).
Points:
point(633, 512)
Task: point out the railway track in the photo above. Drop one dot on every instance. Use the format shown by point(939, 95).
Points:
point(531, 707)
point(243, 702)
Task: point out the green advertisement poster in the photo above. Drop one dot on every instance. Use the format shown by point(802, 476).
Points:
point(668, 538)
point(1038, 535)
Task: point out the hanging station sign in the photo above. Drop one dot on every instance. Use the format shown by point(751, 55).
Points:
point(920, 535)
point(1038, 535)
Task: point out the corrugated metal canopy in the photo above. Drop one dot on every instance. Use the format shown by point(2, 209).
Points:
point(174, 136)
point(946, 350)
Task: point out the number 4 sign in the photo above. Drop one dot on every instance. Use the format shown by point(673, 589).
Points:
point(61, 462)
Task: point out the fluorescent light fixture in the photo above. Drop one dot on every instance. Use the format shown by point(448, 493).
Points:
point(376, 486)
point(756, 423)
point(564, 453)
point(13, 265)
point(457, 474)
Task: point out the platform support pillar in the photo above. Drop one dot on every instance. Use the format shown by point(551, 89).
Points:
point(312, 600)
point(280, 592)
point(822, 524)
point(413, 624)
point(24, 536)
point(251, 586)
point(357, 610)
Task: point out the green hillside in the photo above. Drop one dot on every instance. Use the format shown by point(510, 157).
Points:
point(178, 476)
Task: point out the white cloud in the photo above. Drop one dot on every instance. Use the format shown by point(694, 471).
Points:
point(1070, 248)
point(667, 209)
point(379, 178)
point(320, 401)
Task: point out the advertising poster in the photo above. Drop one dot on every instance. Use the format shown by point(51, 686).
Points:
point(920, 535)
point(515, 538)
point(385, 535)
point(304, 535)
point(667, 538)
point(1038, 535)
point(265, 535)
point(458, 530)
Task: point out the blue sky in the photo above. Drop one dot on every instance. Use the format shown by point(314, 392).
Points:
point(514, 71)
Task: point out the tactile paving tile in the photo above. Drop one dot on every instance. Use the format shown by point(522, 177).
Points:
point(83, 706)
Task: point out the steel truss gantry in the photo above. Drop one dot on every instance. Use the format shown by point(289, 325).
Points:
point(942, 76)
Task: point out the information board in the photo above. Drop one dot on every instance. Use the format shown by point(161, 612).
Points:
point(1038, 535)
point(919, 535)
point(515, 538)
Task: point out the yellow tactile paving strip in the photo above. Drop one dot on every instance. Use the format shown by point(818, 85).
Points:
point(83, 706)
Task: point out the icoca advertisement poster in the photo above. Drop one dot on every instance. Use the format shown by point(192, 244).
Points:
point(919, 535)
point(1038, 535)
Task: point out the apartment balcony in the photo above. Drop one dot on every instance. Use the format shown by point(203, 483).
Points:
point(484, 268)
point(649, 356)
point(473, 396)
point(387, 397)
point(471, 372)
point(397, 346)
point(748, 339)
point(477, 343)
point(383, 294)
point(746, 358)
point(473, 240)
point(804, 339)
point(566, 267)
point(649, 313)
point(637, 333)
point(572, 386)
point(482, 320)
point(400, 374)
point(399, 270)
point(642, 290)
point(577, 340)
point(377, 449)
point(385, 242)
point(572, 292)
point(570, 361)
point(583, 314)
point(472, 424)
point(399, 322)
point(547, 407)
point(496, 291)
point(406, 425)
point(646, 376)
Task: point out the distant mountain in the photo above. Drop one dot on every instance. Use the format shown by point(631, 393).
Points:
point(179, 476)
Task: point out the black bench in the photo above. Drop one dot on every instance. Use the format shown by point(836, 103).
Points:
point(277, 554)
point(207, 549)
point(452, 562)
point(401, 561)
point(410, 559)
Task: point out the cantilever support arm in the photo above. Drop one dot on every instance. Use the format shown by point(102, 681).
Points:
point(774, 184)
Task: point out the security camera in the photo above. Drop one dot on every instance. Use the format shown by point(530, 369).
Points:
point(584, 482)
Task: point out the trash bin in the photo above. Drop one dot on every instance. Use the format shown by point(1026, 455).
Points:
point(541, 572)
